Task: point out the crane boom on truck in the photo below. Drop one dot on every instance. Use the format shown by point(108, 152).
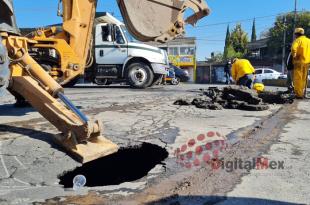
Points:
point(28, 79)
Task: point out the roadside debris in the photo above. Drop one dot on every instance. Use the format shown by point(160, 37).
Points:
point(277, 97)
point(236, 97)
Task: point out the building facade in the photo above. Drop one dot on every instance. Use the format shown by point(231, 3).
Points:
point(259, 57)
point(182, 53)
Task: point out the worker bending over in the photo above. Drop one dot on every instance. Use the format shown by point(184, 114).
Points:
point(301, 60)
point(243, 72)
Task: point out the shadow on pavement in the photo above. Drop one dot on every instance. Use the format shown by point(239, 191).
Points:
point(34, 134)
point(127, 87)
point(218, 200)
point(11, 110)
point(102, 86)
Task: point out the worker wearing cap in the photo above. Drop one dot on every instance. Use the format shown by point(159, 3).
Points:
point(242, 72)
point(301, 60)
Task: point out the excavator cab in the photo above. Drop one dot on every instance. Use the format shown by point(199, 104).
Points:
point(147, 20)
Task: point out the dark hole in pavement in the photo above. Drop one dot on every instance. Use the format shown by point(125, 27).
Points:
point(128, 164)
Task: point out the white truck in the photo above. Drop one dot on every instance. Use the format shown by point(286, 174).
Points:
point(119, 58)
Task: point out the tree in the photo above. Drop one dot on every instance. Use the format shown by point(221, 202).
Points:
point(275, 42)
point(235, 43)
point(217, 57)
point(231, 53)
point(239, 40)
point(253, 36)
point(227, 43)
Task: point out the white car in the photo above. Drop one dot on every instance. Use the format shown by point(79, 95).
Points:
point(266, 74)
point(284, 76)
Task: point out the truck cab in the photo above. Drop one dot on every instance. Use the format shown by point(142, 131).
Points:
point(119, 58)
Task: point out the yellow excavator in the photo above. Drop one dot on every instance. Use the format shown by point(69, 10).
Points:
point(24, 77)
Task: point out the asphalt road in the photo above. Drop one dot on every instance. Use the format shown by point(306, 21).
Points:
point(30, 163)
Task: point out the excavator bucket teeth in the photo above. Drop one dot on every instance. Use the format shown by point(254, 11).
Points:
point(88, 151)
point(160, 20)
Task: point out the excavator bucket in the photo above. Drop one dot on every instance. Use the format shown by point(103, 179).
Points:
point(160, 20)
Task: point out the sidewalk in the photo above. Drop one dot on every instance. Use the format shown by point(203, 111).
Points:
point(290, 185)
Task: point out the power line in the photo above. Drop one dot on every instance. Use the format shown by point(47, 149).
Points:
point(208, 39)
point(242, 20)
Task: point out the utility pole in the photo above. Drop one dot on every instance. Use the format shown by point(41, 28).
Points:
point(284, 46)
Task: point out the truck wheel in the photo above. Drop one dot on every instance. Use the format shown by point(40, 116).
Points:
point(109, 82)
point(101, 81)
point(140, 75)
point(157, 80)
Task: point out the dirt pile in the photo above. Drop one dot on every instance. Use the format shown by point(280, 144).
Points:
point(277, 97)
point(236, 97)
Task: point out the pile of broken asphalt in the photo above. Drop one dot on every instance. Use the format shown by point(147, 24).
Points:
point(236, 97)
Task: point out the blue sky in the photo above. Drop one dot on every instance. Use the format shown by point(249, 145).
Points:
point(210, 32)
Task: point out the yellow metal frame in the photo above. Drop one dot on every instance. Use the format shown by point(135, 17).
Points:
point(28, 79)
point(73, 42)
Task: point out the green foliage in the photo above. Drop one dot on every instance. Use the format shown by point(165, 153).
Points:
point(235, 43)
point(231, 53)
point(239, 39)
point(217, 57)
point(253, 37)
point(227, 43)
point(276, 33)
point(227, 39)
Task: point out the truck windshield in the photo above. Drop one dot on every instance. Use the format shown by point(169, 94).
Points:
point(129, 37)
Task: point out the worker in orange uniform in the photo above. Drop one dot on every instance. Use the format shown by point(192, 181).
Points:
point(242, 72)
point(301, 60)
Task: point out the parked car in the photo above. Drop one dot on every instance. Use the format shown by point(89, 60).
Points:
point(180, 74)
point(284, 76)
point(266, 74)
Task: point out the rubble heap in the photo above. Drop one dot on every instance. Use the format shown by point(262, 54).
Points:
point(236, 97)
point(277, 97)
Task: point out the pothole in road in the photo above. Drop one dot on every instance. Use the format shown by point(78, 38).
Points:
point(127, 165)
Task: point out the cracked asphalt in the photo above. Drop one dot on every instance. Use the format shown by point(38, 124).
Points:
point(30, 163)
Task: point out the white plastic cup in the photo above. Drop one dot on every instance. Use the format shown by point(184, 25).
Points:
point(79, 181)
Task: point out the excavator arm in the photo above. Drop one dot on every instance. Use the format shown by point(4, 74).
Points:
point(79, 135)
